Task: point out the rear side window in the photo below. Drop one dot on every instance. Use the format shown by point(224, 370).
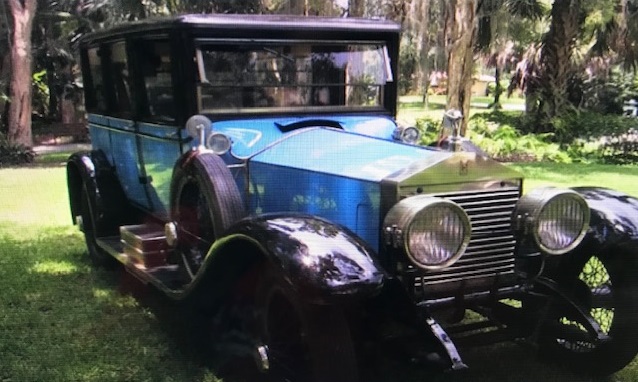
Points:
point(109, 85)
point(121, 82)
point(96, 94)
point(155, 62)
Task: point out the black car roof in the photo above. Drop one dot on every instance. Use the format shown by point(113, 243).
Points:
point(232, 23)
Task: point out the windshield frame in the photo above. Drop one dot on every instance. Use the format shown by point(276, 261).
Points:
point(267, 45)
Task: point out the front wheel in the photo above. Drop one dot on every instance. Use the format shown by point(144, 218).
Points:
point(301, 341)
point(606, 287)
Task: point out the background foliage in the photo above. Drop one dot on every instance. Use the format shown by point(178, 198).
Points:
point(594, 44)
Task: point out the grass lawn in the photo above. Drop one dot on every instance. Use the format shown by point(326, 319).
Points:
point(63, 320)
point(412, 107)
point(622, 178)
point(60, 318)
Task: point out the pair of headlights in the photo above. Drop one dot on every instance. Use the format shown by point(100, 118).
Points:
point(435, 232)
point(197, 127)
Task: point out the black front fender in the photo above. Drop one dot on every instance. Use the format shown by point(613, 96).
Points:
point(614, 218)
point(322, 261)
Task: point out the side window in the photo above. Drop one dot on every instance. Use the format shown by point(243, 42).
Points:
point(155, 62)
point(96, 98)
point(120, 80)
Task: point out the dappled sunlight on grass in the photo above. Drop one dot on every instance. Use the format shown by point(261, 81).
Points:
point(62, 319)
point(54, 267)
point(65, 320)
point(102, 294)
point(114, 298)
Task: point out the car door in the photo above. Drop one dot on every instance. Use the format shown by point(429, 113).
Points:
point(111, 115)
point(158, 131)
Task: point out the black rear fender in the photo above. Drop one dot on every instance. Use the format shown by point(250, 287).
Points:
point(80, 171)
point(92, 170)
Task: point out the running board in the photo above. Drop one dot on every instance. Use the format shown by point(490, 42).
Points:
point(143, 251)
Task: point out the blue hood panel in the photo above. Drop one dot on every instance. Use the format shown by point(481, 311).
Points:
point(298, 165)
point(338, 153)
point(251, 136)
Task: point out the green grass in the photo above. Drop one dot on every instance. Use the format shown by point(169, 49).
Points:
point(411, 107)
point(622, 178)
point(52, 158)
point(61, 319)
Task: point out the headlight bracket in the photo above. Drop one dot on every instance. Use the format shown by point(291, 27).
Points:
point(393, 236)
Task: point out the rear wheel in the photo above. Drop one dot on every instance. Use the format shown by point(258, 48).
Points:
point(301, 341)
point(605, 287)
point(90, 228)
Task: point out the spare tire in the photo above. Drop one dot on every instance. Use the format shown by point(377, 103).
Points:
point(204, 202)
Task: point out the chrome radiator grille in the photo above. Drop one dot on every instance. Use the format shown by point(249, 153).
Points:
point(491, 249)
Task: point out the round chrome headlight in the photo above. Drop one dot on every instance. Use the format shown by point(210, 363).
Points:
point(556, 219)
point(433, 232)
point(218, 143)
point(409, 135)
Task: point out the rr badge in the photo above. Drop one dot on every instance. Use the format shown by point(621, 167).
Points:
point(464, 168)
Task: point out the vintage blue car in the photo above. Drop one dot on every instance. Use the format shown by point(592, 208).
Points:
point(252, 165)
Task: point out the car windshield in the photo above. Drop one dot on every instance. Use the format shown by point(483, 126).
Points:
point(309, 75)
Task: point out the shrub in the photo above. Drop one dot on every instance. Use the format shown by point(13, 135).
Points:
point(620, 149)
point(14, 154)
point(429, 129)
point(505, 142)
point(606, 94)
point(589, 125)
point(585, 151)
point(585, 137)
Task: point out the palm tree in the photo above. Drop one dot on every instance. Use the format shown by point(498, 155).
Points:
point(567, 17)
point(475, 23)
point(617, 37)
point(505, 28)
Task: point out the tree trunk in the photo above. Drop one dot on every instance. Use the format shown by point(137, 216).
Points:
point(22, 13)
point(498, 89)
point(298, 7)
point(54, 96)
point(5, 75)
point(460, 35)
point(355, 8)
point(556, 57)
point(419, 24)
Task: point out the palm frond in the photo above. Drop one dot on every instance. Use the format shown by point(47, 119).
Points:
point(527, 9)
